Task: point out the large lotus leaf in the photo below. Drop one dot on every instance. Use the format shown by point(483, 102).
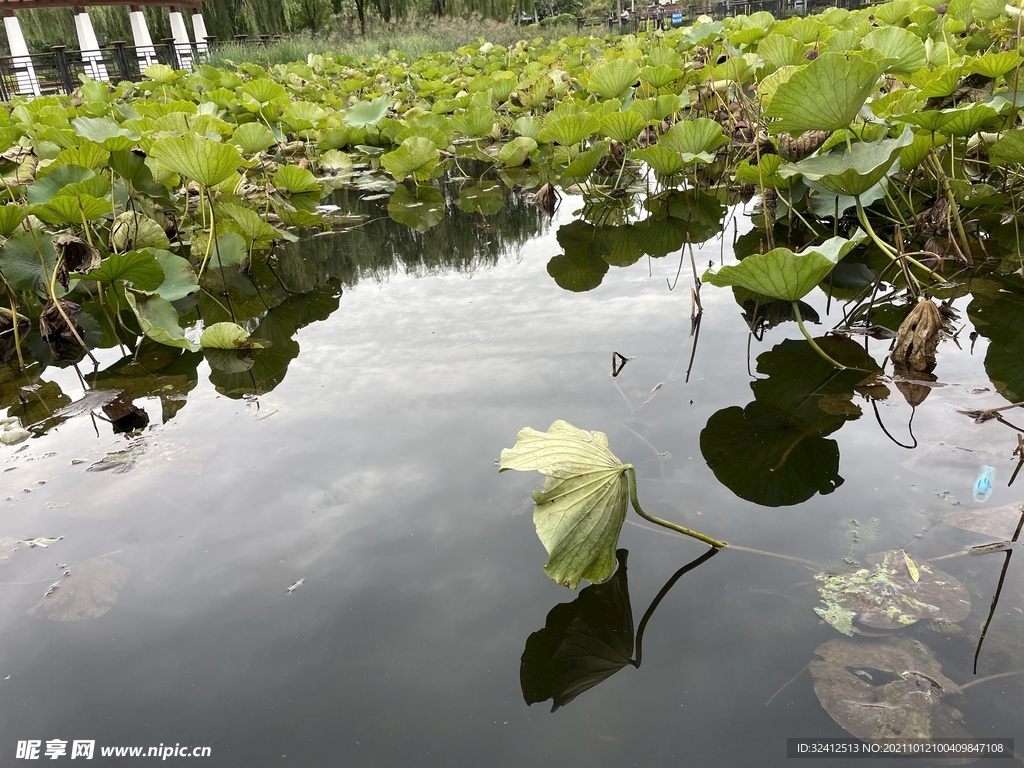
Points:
point(899, 44)
point(782, 51)
point(586, 162)
point(475, 122)
point(891, 689)
point(1001, 523)
point(21, 266)
point(105, 132)
point(1008, 149)
point(581, 510)
point(367, 112)
point(88, 592)
point(419, 212)
point(824, 96)
point(11, 216)
point(416, 157)
point(180, 279)
point(692, 137)
point(295, 180)
point(582, 643)
point(131, 230)
point(969, 119)
point(569, 130)
point(992, 65)
point(67, 209)
point(43, 190)
point(658, 236)
point(782, 274)
point(851, 173)
point(896, 592)
point(517, 151)
point(660, 76)
point(528, 126)
point(655, 110)
point(140, 268)
point(196, 157)
point(253, 228)
point(622, 127)
point(227, 336)
point(253, 137)
point(663, 161)
point(611, 78)
point(263, 91)
point(159, 320)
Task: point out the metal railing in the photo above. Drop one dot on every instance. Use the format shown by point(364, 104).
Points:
point(648, 22)
point(59, 69)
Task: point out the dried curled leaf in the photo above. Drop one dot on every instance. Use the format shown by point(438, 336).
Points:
point(918, 337)
point(76, 255)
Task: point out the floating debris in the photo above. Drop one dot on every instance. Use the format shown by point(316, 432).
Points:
point(42, 543)
point(296, 585)
point(88, 594)
point(983, 485)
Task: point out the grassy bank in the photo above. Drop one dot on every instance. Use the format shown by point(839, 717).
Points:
point(412, 37)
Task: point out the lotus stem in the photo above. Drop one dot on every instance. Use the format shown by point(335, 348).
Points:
point(887, 249)
point(810, 339)
point(631, 474)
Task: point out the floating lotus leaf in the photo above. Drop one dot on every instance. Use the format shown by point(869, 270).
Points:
point(582, 643)
point(416, 157)
point(89, 592)
point(227, 336)
point(581, 510)
point(826, 95)
point(782, 274)
point(851, 173)
point(888, 596)
point(1000, 522)
point(885, 690)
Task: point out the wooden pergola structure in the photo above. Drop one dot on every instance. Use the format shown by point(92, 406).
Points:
point(21, 58)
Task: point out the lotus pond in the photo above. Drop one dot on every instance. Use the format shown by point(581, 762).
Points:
point(270, 335)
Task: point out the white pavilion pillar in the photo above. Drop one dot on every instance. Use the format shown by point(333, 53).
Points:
point(25, 73)
point(144, 49)
point(90, 47)
point(182, 44)
point(199, 31)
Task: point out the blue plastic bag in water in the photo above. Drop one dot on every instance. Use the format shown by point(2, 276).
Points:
point(983, 485)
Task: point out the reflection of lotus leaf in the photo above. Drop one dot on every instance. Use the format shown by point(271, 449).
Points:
point(582, 643)
point(889, 597)
point(886, 690)
point(89, 592)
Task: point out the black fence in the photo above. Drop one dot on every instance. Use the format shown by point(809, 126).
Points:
point(59, 70)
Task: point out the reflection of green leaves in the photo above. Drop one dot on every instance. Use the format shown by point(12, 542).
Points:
point(226, 336)
point(826, 95)
point(1000, 319)
point(582, 643)
point(421, 211)
point(159, 320)
point(782, 274)
point(581, 510)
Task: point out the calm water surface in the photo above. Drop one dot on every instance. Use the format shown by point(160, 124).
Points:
point(369, 473)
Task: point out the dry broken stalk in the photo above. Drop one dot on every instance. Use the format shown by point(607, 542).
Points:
point(918, 337)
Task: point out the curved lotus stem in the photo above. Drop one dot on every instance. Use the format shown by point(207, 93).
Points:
point(631, 473)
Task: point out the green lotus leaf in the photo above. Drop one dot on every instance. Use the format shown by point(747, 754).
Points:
point(105, 132)
point(694, 137)
point(475, 122)
point(253, 137)
point(11, 216)
point(991, 65)
point(580, 512)
point(139, 268)
point(131, 230)
point(782, 51)
point(783, 274)
point(295, 180)
point(67, 209)
point(610, 79)
point(196, 157)
point(21, 266)
point(662, 160)
point(660, 76)
point(161, 73)
point(55, 181)
point(303, 115)
point(893, 12)
point(622, 127)
point(159, 320)
point(851, 173)
point(367, 112)
point(1008, 149)
point(529, 127)
point(420, 212)
point(826, 95)
point(899, 44)
point(586, 162)
point(969, 119)
point(227, 336)
point(655, 110)
point(252, 227)
point(517, 151)
point(180, 279)
point(416, 157)
point(941, 81)
point(87, 154)
point(263, 91)
point(569, 130)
